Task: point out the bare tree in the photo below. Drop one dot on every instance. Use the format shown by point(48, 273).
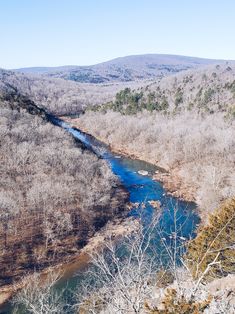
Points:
point(134, 277)
point(39, 296)
point(122, 276)
point(51, 189)
point(198, 150)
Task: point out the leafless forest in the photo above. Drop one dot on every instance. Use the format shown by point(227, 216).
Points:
point(138, 283)
point(209, 89)
point(199, 149)
point(54, 193)
point(123, 69)
point(59, 96)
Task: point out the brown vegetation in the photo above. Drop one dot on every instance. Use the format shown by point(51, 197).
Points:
point(139, 283)
point(173, 303)
point(214, 245)
point(206, 90)
point(54, 194)
point(130, 278)
point(200, 150)
point(60, 96)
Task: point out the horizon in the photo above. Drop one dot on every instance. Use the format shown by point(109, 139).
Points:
point(117, 149)
point(57, 33)
point(120, 57)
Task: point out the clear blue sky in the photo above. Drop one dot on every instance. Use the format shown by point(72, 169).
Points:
point(82, 32)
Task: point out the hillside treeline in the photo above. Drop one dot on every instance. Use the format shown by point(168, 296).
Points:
point(207, 90)
point(54, 194)
point(199, 150)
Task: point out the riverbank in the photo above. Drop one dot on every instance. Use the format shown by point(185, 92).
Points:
point(113, 230)
point(68, 252)
point(197, 151)
point(141, 189)
point(56, 193)
point(171, 179)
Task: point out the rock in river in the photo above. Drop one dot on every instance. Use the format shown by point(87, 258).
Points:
point(143, 172)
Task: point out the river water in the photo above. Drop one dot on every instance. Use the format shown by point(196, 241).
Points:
point(142, 189)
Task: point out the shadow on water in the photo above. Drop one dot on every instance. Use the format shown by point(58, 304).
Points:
point(142, 189)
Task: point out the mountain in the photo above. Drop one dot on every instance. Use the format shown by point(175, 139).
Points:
point(124, 69)
point(61, 96)
point(208, 89)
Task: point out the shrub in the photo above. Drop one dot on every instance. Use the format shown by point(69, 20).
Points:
point(178, 97)
point(164, 278)
point(212, 252)
point(208, 95)
point(173, 303)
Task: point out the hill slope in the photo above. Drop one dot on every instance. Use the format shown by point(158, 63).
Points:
point(209, 89)
point(130, 68)
point(54, 194)
point(60, 96)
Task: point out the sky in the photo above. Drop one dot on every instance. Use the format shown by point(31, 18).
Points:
point(85, 32)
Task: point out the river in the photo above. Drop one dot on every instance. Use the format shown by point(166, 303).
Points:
point(142, 189)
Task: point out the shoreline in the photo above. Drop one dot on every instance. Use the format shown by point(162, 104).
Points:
point(169, 178)
point(113, 230)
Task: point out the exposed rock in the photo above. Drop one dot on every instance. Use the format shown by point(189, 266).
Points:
point(143, 172)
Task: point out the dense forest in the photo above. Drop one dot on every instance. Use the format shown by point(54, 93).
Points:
point(54, 193)
point(117, 157)
point(208, 90)
point(59, 96)
point(198, 150)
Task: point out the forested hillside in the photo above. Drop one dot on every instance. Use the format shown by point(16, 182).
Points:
point(197, 151)
point(124, 69)
point(207, 89)
point(183, 123)
point(117, 157)
point(210, 89)
point(54, 194)
point(60, 96)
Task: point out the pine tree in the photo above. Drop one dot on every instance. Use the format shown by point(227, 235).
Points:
point(212, 252)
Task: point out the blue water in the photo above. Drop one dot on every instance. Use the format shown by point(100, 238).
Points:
point(141, 189)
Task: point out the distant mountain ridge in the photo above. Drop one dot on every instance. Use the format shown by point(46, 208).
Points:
point(207, 88)
point(124, 69)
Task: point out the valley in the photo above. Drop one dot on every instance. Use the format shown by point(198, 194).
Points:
point(88, 162)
